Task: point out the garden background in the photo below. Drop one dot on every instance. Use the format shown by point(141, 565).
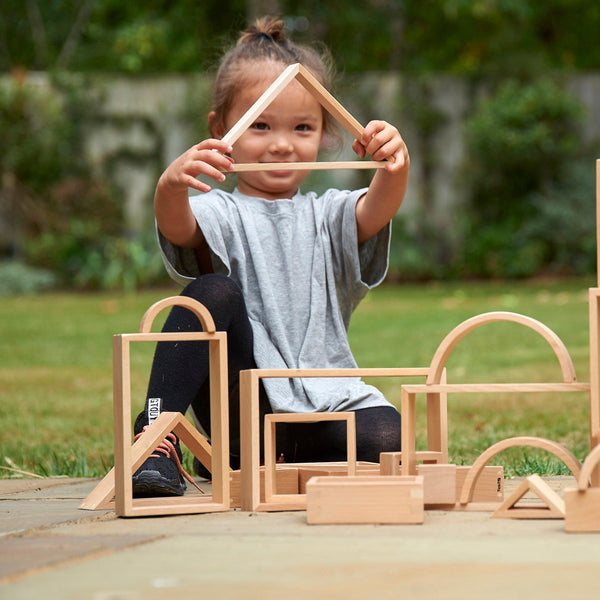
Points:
point(499, 103)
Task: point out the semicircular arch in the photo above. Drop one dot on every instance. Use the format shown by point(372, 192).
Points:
point(203, 314)
point(555, 448)
point(450, 342)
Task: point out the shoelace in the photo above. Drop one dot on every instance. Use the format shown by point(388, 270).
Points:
point(167, 448)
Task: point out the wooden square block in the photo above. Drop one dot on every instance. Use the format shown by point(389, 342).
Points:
point(365, 499)
point(582, 510)
point(439, 483)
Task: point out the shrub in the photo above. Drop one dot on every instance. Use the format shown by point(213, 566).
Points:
point(17, 278)
point(522, 146)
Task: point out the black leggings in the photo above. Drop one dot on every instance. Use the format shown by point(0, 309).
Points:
point(180, 376)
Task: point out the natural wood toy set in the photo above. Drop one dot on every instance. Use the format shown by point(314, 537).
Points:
point(404, 484)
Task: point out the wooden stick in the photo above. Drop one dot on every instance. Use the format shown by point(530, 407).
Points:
point(598, 220)
point(308, 166)
point(263, 102)
point(331, 105)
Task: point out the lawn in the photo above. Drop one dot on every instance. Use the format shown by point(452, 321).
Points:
point(56, 369)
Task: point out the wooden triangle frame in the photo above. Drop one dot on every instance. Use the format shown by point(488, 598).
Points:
point(299, 73)
point(102, 496)
point(553, 506)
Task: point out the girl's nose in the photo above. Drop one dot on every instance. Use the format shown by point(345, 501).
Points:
point(281, 144)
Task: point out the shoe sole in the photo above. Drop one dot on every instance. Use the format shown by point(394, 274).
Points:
point(152, 483)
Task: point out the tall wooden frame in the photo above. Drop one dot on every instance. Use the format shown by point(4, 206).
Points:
point(128, 458)
point(296, 72)
point(250, 421)
point(434, 384)
point(594, 312)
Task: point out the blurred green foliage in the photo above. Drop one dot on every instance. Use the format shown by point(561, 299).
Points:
point(468, 37)
point(528, 194)
point(525, 187)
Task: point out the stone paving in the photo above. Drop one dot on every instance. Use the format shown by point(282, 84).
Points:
point(51, 549)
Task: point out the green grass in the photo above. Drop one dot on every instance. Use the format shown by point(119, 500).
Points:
point(56, 369)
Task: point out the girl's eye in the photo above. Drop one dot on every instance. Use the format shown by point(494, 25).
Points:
point(303, 127)
point(260, 126)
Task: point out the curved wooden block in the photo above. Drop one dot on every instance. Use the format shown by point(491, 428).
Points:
point(458, 333)
point(589, 464)
point(553, 447)
point(203, 314)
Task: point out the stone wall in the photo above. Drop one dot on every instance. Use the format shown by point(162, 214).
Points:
point(144, 123)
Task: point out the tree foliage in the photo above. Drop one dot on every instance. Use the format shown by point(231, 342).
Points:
point(473, 37)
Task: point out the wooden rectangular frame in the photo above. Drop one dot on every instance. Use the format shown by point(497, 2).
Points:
point(127, 460)
point(298, 501)
point(408, 406)
point(437, 436)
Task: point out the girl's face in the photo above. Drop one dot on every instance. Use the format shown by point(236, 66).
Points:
point(289, 130)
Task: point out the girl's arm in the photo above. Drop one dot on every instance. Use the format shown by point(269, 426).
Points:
point(171, 205)
point(388, 187)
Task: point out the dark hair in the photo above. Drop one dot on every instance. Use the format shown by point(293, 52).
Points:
point(266, 41)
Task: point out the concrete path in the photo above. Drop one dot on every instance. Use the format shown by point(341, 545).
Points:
point(50, 549)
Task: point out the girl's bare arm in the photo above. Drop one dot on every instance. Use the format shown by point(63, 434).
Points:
point(388, 187)
point(171, 205)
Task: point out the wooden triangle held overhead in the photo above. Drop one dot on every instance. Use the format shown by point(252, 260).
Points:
point(299, 73)
point(551, 507)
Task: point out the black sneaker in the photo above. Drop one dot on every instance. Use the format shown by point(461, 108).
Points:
point(161, 474)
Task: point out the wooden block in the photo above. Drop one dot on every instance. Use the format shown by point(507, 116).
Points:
point(305, 473)
point(350, 500)
point(582, 510)
point(286, 482)
point(439, 483)
point(489, 486)
point(551, 506)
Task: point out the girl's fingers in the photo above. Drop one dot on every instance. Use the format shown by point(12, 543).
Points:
point(359, 149)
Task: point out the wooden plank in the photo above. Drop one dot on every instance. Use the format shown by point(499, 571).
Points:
point(352, 500)
point(478, 388)
point(307, 166)
point(280, 83)
point(331, 105)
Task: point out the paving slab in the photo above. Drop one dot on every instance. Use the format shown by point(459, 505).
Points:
point(95, 555)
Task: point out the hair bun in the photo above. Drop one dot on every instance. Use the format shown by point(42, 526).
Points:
point(269, 28)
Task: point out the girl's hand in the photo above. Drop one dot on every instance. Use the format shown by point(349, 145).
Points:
point(383, 142)
point(206, 158)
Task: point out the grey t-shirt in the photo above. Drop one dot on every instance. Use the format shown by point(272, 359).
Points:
point(302, 273)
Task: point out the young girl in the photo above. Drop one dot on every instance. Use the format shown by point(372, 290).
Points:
point(280, 271)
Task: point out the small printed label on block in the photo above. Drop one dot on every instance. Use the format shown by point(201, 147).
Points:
point(489, 486)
